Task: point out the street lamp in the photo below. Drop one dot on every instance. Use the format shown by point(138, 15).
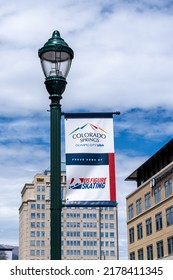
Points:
point(56, 57)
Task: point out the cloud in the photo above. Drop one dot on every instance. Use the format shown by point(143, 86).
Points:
point(155, 123)
point(128, 52)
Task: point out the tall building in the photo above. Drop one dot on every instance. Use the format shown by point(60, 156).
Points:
point(150, 208)
point(87, 232)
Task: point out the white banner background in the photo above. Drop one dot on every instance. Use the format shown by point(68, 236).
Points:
point(75, 145)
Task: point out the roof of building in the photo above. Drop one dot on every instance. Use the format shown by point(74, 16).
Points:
point(154, 164)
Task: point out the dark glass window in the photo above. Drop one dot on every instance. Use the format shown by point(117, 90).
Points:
point(147, 200)
point(131, 235)
point(140, 254)
point(130, 211)
point(158, 221)
point(168, 188)
point(132, 256)
point(150, 252)
point(157, 194)
point(148, 226)
point(169, 216)
point(138, 206)
point(139, 231)
point(160, 250)
point(170, 245)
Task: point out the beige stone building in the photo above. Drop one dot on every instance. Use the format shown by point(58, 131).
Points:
point(87, 232)
point(150, 208)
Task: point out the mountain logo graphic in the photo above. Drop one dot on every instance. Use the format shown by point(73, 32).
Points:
point(94, 127)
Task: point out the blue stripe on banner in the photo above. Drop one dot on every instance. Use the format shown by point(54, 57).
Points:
point(87, 159)
point(90, 203)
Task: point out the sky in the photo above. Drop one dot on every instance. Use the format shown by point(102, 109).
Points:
point(123, 61)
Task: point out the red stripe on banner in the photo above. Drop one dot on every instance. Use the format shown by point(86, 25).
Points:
point(112, 176)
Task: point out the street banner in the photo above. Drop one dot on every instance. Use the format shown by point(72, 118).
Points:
point(90, 163)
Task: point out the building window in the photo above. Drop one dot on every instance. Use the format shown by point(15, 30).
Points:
point(43, 215)
point(158, 221)
point(42, 252)
point(148, 226)
point(32, 224)
point(168, 188)
point(106, 243)
point(139, 231)
point(150, 252)
point(157, 194)
point(130, 211)
point(170, 245)
point(112, 243)
point(32, 215)
point(90, 252)
point(38, 252)
point(160, 251)
point(140, 254)
point(138, 206)
point(106, 225)
point(40, 179)
point(38, 243)
point(132, 256)
point(32, 252)
point(169, 216)
point(147, 200)
point(32, 243)
point(131, 235)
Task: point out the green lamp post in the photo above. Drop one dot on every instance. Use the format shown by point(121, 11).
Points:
point(56, 57)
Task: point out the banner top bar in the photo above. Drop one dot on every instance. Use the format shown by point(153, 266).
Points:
point(90, 115)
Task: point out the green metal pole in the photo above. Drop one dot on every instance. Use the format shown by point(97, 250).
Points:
point(55, 138)
point(55, 50)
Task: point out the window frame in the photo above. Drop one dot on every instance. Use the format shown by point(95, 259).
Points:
point(157, 194)
point(168, 187)
point(131, 235)
point(139, 206)
point(158, 221)
point(147, 200)
point(160, 249)
point(150, 252)
point(131, 211)
point(139, 231)
point(148, 224)
point(169, 216)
